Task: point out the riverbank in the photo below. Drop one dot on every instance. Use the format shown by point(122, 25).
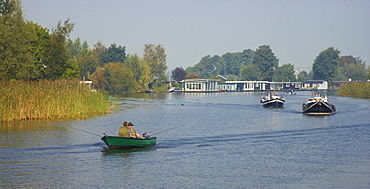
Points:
point(60, 99)
point(355, 90)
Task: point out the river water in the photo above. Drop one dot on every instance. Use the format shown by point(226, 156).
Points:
point(216, 140)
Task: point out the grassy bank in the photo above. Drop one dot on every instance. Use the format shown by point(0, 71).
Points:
point(61, 99)
point(355, 89)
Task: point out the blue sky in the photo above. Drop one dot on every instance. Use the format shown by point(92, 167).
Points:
point(297, 31)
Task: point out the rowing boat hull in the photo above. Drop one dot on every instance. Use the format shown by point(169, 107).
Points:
point(119, 143)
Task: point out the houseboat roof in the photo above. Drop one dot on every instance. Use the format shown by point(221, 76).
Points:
point(314, 81)
point(199, 80)
point(246, 81)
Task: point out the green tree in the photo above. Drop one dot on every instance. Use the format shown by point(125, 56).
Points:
point(207, 67)
point(88, 60)
point(247, 57)
point(326, 64)
point(230, 64)
point(39, 48)
point(76, 49)
point(191, 76)
point(88, 64)
point(250, 73)
point(17, 60)
point(113, 54)
point(56, 59)
point(140, 70)
point(120, 78)
point(302, 76)
point(155, 57)
point(71, 71)
point(351, 68)
point(227, 64)
point(98, 79)
point(266, 62)
point(285, 73)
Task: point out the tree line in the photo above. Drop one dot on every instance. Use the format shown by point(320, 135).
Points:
point(262, 64)
point(30, 52)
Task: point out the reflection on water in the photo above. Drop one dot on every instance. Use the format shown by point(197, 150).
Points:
point(127, 153)
point(220, 140)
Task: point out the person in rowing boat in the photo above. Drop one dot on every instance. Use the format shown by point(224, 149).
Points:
point(127, 131)
point(123, 131)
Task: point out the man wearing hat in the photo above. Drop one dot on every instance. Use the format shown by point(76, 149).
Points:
point(127, 131)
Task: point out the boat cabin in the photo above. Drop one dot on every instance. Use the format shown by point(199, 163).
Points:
point(199, 85)
point(315, 85)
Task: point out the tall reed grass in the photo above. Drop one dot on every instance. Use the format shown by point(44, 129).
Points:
point(60, 99)
point(355, 89)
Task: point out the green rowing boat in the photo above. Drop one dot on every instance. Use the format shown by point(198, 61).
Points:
point(119, 143)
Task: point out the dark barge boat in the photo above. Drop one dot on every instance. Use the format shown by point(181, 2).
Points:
point(318, 105)
point(272, 101)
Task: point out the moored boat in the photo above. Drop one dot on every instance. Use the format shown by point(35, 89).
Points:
point(290, 92)
point(318, 105)
point(272, 101)
point(119, 143)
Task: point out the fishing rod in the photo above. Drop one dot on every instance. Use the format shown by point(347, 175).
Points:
point(164, 131)
point(111, 132)
point(86, 131)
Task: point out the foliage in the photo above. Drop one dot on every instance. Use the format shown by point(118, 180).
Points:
point(120, 78)
point(227, 64)
point(71, 71)
point(89, 62)
point(161, 88)
point(285, 73)
point(59, 99)
point(351, 68)
point(39, 43)
point(98, 79)
point(74, 48)
point(206, 68)
point(140, 70)
point(230, 64)
point(191, 76)
point(134, 75)
point(266, 62)
point(302, 76)
point(28, 51)
point(326, 64)
point(155, 57)
point(178, 74)
point(16, 35)
point(113, 54)
point(355, 89)
point(250, 72)
point(56, 59)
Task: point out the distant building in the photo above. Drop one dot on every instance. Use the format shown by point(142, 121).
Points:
point(315, 85)
point(199, 85)
point(213, 85)
point(283, 86)
point(227, 87)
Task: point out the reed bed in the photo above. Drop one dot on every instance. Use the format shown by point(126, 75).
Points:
point(60, 99)
point(355, 89)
